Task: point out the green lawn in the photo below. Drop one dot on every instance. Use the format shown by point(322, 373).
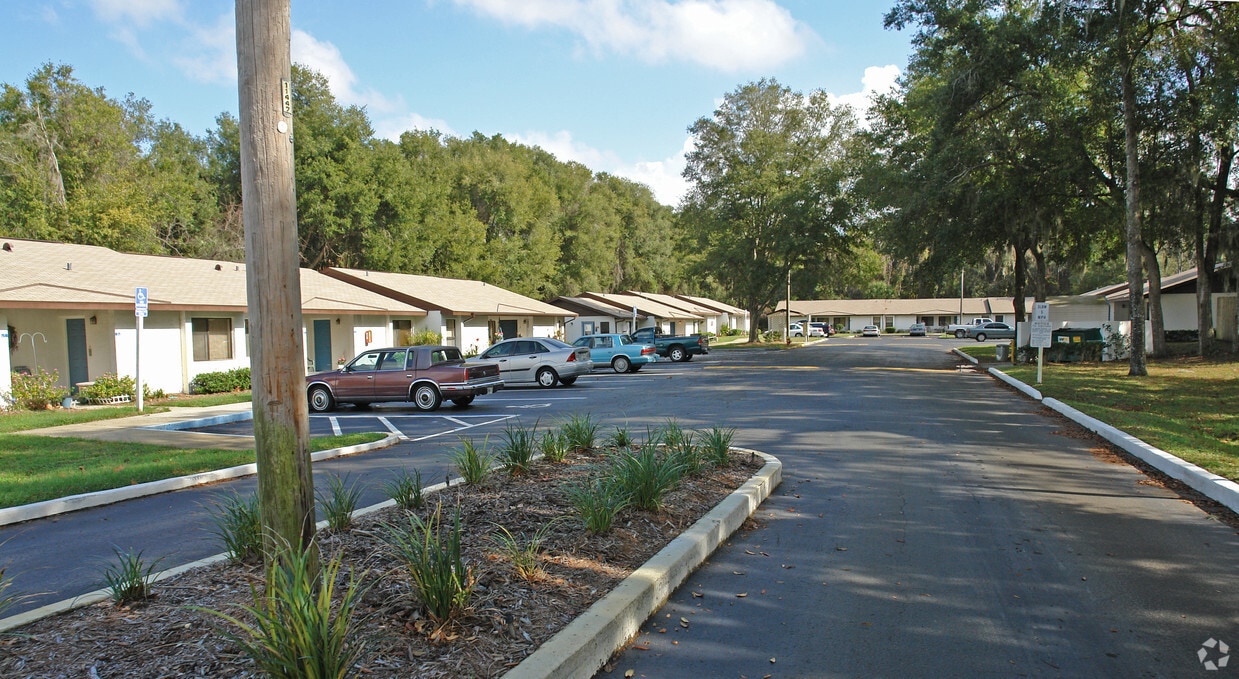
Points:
point(1186, 406)
point(36, 468)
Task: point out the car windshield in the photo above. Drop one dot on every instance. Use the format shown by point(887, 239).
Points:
point(554, 343)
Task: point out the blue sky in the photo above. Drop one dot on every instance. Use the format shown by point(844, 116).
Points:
point(612, 84)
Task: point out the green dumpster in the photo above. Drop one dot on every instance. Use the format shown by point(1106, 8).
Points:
point(1071, 345)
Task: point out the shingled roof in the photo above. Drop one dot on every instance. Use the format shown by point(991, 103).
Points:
point(451, 295)
point(43, 275)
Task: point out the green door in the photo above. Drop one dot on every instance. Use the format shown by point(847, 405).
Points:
point(322, 346)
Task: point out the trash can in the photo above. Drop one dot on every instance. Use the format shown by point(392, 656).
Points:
point(1002, 352)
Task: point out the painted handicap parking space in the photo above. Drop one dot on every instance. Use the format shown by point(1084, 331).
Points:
point(409, 427)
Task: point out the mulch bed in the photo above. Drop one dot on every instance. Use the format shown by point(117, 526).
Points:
point(509, 617)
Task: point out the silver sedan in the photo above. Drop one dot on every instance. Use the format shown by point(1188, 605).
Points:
point(991, 330)
point(541, 361)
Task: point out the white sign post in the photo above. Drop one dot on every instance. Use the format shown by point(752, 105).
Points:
point(140, 308)
point(1041, 333)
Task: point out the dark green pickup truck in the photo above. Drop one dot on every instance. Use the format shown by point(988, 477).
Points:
point(672, 347)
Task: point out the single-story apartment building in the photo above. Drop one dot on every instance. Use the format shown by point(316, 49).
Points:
point(728, 316)
point(470, 315)
point(709, 317)
point(593, 316)
point(70, 308)
point(850, 315)
point(1179, 311)
point(648, 313)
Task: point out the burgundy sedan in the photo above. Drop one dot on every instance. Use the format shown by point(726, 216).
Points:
point(424, 375)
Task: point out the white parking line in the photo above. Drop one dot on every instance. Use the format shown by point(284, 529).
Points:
point(466, 426)
point(542, 398)
point(335, 425)
point(392, 428)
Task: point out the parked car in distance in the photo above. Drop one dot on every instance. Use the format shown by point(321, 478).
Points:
point(543, 361)
point(870, 331)
point(916, 330)
point(991, 330)
point(618, 351)
point(960, 330)
point(826, 328)
point(681, 348)
point(797, 330)
point(425, 375)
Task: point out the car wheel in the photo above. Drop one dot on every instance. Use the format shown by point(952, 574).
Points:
point(426, 397)
point(567, 381)
point(546, 377)
point(960, 334)
point(980, 337)
point(620, 364)
point(321, 400)
point(677, 354)
point(463, 401)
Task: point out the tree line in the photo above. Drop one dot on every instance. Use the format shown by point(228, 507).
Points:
point(77, 165)
point(1038, 147)
point(1062, 139)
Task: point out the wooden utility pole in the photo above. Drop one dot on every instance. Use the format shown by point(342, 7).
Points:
point(273, 277)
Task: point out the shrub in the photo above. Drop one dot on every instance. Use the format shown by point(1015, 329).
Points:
point(646, 475)
point(425, 337)
point(238, 525)
point(38, 391)
point(518, 448)
point(620, 438)
point(717, 444)
point(443, 582)
point(597, 502)
point(472, 462)
point(580, 432)
point(108, 385)
point(406, 490)
point(339, 502)
point(237, 379)
point(523, 551)
point(298, 631)
point(129, 579)
point(553, 446)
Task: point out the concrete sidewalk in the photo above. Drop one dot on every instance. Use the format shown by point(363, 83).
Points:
point(163, 429)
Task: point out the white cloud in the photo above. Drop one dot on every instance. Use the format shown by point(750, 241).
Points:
point(392, 128)
point(661, 176)
point(325, 58)
point(727, 35)
point(877, 80)
point(210, 54)
point(141, 13)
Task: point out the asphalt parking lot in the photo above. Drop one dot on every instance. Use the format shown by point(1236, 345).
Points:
point(931, 522)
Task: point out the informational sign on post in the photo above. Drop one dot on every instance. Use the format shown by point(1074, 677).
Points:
point(1041, 333)
point(1041, 329)
point(141, 307)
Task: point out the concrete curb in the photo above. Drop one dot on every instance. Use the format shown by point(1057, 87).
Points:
point(592, 642)
point(1020, 386)
point(203, 421)
point(588, 642)
point(89, 598)
point(966, 357)
point(1217, 488)
point(39, 510)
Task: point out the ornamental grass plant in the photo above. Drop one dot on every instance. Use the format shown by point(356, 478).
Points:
point(299, 629)
point(432, 554)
